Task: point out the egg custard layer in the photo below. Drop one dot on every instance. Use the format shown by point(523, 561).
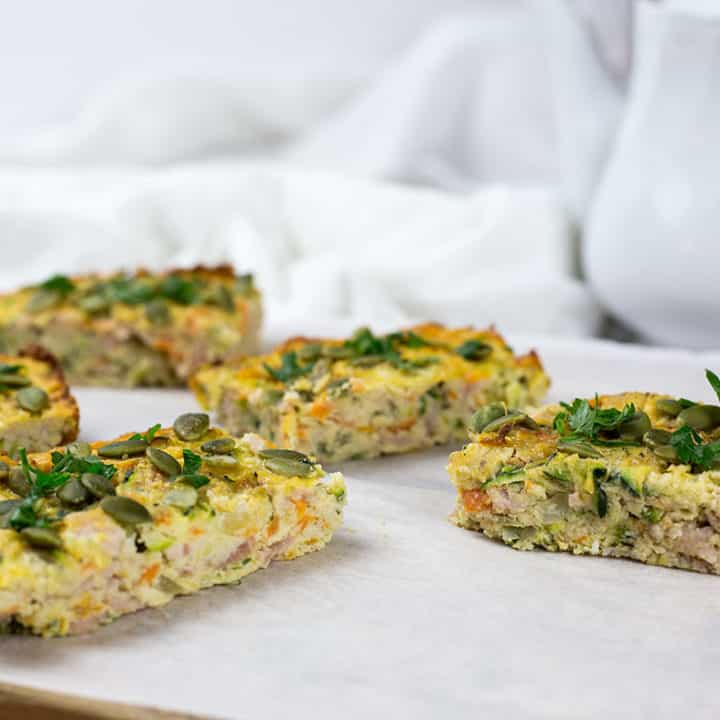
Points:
point(370, 395)
point(143, 329)
point(37, 410)
point(91, 533)
point(634, 476)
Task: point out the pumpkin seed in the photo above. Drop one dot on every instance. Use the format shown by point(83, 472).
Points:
point(44, 299)
point(97, 485)
point(74, 493)
point(41, 537)
point(666, 452)
point(157, 312)
point(7, 506)
point(10, 368)
point(182, 496)
point(513, 417)
point(219, 446)
point(123, 448)
point(668, 406)
point(125, 510)
point(94, 304)
point(18, 483)
point(701, 417)
point(191, 426)
point(221, 461)
point(287, 462)
point(4, 470)
point(578, 447)
point(486, 415)
point(309, 352)
point(164, 462)
point(656, 437)
point(223, 298)
point(635, 427)
point(13, 380)
point(285, 454)
point(79, 448)
point(474, 350)
point(169, 586)
point(33, 399)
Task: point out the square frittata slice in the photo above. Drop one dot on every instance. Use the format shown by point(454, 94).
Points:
point(141, 329)
point(632, 476)
point(370, 395)
point(37, 410)
point(89, 533)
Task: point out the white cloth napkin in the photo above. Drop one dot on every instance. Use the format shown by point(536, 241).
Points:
point(323, 246)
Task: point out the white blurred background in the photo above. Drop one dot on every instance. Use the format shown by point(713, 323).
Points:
point(541, 164)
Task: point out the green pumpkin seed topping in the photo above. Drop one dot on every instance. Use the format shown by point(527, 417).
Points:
point(701, 417)
point(486, 415)
point(33, 399)
point(18, 482)
point(9, 381)
point(125, 511)
point(45, 538)
point(221, 461)
point(79, 448)
point(288, 463)
point(98, 486)
point(191, 426)
point(123, 448)
point(182, 496)
point(669, 407)
point(74, 494)
point(579, 448)
point(219, 446)
point(157, 312)
point(657, 438)
point(164, 462)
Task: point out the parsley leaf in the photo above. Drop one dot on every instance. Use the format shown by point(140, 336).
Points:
point(69, 463)
point(180, 290)
point(692, 451)
point(191, 462)
point(289, 369)
point(60, 284)
point(474, 350)
point(148, 435)
point(191, 465)
point(583, 421)
point(714, 381)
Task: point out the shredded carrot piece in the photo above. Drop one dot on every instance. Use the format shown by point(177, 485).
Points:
point(150, 573)
point(320, 409)
point(476, 500)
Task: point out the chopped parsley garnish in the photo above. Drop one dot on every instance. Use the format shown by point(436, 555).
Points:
point(41, 484)
point(147, 436)
point(60, 284)
point(289, 369)
point(363, 349)
point(191, 464)
point(692, 450)
point(584, 421)
point(474, 350)
point(75, 465)
point(714, 381)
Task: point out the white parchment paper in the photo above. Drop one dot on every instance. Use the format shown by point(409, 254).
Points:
point(404, 615)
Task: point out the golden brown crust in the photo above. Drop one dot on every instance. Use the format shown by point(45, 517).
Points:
point(223, 270)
